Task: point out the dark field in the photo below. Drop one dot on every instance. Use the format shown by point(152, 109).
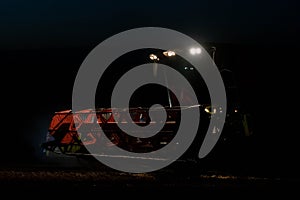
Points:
point(75, 177)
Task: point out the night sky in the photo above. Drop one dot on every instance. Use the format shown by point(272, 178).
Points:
point(43, 43)
point(53, 23)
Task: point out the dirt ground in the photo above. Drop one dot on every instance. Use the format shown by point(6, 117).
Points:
point(181, 178)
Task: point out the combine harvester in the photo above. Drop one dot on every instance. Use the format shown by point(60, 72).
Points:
point(63, 136)
point(71, 132)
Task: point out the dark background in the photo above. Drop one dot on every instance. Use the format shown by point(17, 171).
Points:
point(42, 45)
